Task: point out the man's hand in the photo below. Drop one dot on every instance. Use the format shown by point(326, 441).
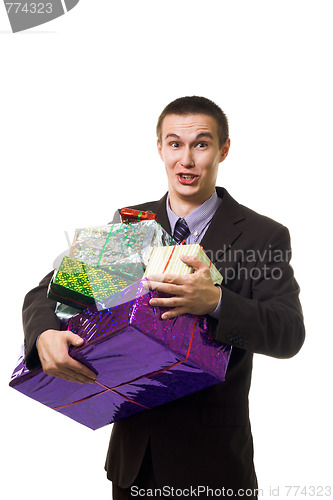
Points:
point(192, 293)
point(52, 347)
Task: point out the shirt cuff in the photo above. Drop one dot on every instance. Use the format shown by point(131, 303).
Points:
point(216, 313)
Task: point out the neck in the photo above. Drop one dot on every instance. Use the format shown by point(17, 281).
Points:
point(183, 207)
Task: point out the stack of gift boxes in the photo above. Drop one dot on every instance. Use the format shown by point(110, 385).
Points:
point(141, 361)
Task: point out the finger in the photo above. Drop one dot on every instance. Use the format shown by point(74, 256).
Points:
point(173, 313)
point(169, 288)
point(68, 373)
point(77, 377)
point(73, 339)
point(65, 374)
point(176, 279)
point(167, 302)
point(69, 376)
point(80, 369)
point(194, 262)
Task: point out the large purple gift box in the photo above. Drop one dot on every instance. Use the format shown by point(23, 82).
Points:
point(140, 360)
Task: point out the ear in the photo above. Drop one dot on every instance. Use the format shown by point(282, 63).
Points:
point(159, 149)
point(225, 150)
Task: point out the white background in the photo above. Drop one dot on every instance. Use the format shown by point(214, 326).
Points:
point(79, 99)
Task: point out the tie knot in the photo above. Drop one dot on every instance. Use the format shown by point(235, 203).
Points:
point(181, 231)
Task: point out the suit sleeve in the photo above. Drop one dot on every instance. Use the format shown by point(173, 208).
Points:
point(38, 315)
point(271, 321)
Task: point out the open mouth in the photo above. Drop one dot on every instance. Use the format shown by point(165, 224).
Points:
point(187, 178)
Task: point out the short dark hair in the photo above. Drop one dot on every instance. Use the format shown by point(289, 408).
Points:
point(195, 105)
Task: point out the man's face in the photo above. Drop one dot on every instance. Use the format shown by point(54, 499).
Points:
point(191, 153)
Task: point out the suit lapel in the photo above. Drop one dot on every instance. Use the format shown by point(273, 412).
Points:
point(162, 216)
point(223, 230)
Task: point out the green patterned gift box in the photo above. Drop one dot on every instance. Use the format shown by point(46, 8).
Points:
point(80, 285)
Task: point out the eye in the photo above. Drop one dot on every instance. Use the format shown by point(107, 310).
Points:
point(174, 144)
point(202, 145)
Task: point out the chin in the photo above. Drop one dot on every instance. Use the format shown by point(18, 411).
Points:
point(188, 191)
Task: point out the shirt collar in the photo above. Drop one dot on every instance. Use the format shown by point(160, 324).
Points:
point(198, 219)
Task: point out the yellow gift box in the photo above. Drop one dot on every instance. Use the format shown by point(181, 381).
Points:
point(166, 260)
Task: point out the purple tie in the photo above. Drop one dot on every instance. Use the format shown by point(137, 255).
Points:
point(181, 231)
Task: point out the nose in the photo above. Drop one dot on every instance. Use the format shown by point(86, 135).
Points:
point(186, 159)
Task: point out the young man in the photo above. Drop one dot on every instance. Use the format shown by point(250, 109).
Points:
point(202, 440)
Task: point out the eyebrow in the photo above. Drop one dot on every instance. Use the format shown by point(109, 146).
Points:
point(199, 136)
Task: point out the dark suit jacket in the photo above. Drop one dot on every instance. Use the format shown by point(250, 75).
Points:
point(205, 438)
